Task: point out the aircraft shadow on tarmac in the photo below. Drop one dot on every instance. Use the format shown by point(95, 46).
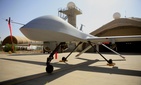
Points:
point(44, 78)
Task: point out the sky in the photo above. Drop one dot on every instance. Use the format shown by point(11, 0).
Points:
point(95, 13)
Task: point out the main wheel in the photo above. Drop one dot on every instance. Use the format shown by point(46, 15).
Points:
point(110, 61)
point(49, 69)
point(63, 59)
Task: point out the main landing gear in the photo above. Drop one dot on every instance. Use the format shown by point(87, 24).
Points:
point(49, 67)
point(109, 62)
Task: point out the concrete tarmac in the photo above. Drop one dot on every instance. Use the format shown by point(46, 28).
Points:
point(88, 68)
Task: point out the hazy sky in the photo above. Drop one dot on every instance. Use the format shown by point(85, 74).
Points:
point(95, 12)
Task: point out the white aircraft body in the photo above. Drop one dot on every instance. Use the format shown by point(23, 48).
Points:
point(52, 28)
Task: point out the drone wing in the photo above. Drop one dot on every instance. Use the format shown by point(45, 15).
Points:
point(115, 38)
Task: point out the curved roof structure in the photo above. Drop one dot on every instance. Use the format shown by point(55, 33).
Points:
point(19, 40)
point(120, 27)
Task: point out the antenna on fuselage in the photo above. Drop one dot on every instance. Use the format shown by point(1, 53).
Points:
point(81, 28)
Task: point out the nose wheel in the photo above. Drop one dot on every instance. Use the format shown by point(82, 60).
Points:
point(49, 69)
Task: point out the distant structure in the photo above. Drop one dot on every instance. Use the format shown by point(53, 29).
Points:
point(116, 15)
point(70, 13)
point(21, 41)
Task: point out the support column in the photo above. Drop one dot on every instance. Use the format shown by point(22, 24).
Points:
point(97, 47)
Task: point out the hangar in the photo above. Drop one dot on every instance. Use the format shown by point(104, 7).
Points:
point(121, 27)
point(23, 43)
point(19, 40)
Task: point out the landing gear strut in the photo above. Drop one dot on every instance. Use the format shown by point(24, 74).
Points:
point(64, 59)
point(109, 62)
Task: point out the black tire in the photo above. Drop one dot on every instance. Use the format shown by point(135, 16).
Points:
point(49, 69)
point(110, 61)
point(63, 59)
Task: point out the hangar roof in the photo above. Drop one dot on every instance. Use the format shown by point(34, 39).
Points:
point(121, 22)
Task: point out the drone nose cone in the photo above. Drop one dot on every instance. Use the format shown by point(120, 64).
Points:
point(44, 22)
point(45, 28)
